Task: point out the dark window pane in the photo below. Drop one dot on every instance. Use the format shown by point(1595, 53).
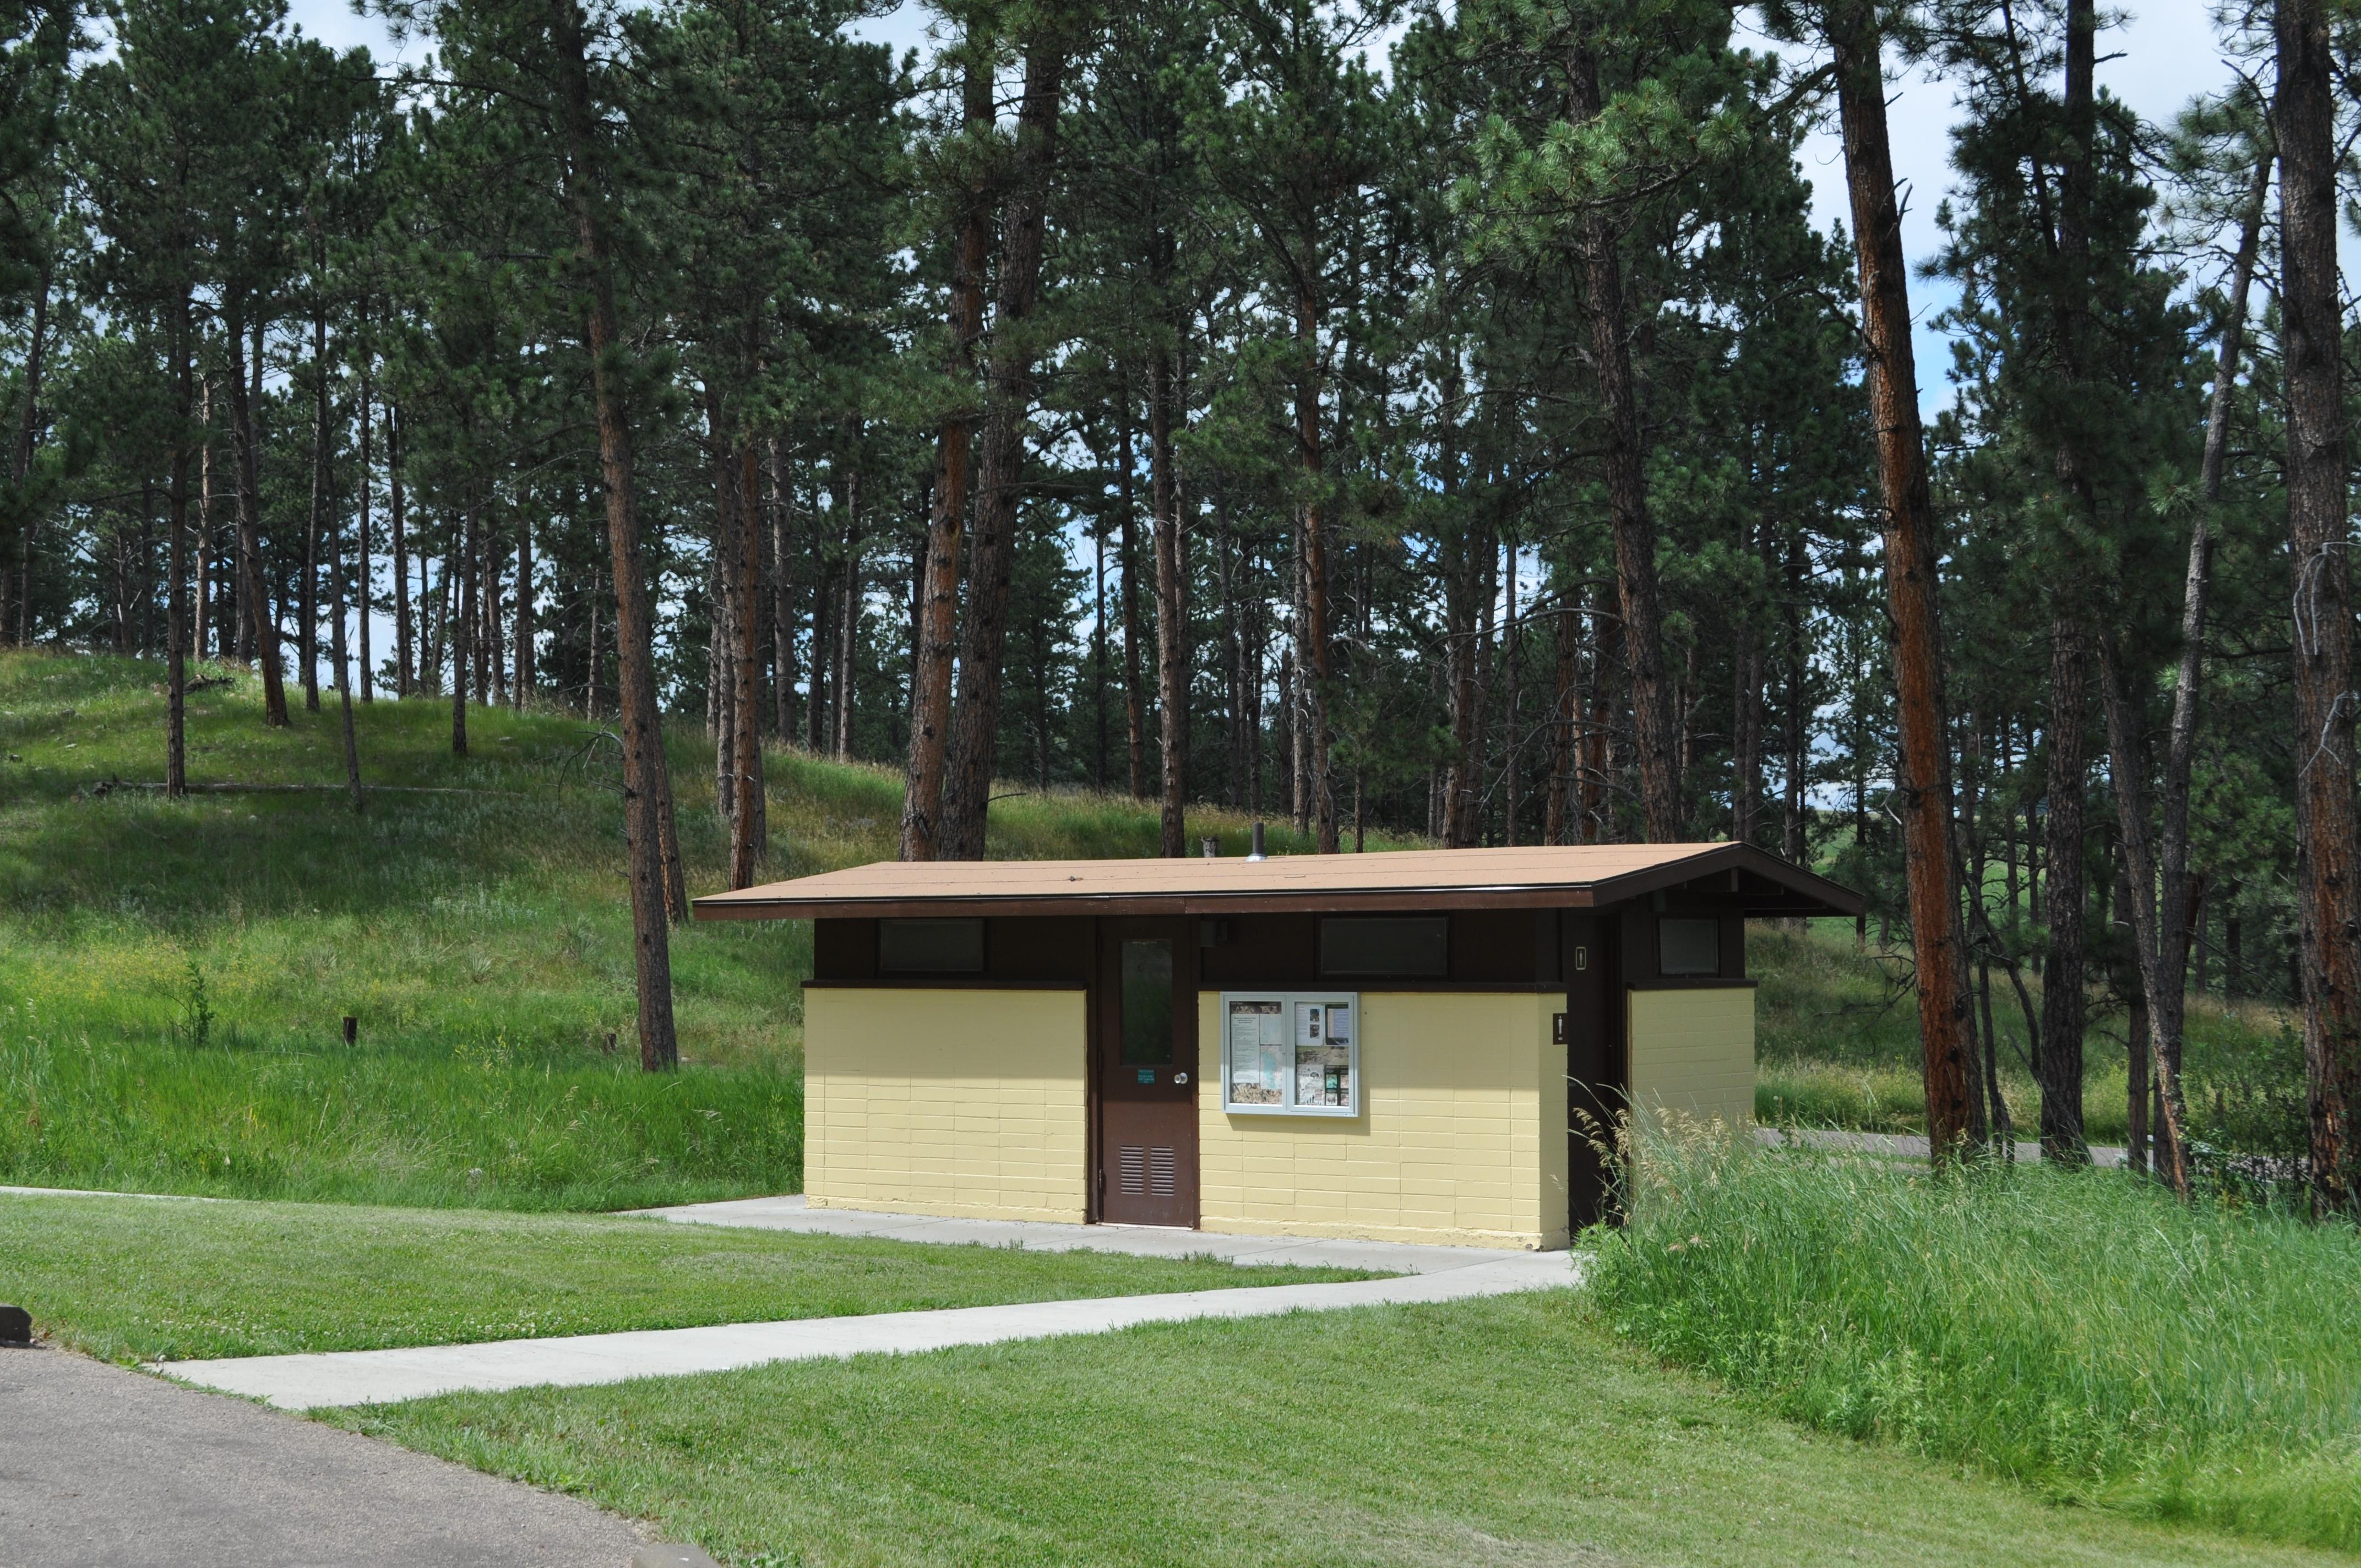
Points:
point(1689, 946)
point(930, 947)
point(1148, 1003)
point(1412, 946)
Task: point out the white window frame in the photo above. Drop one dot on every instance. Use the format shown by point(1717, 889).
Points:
point(1288, 1002)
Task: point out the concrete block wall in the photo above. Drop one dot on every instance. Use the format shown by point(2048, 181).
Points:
point(969, 1103)
point(1693, 1053)
point(1461, 1138)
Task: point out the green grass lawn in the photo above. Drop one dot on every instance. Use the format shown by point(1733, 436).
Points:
point(1516, 1432)
point(125, 1278)
point(174, 975)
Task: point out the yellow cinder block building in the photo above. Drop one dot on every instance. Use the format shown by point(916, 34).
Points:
point(1408, 1047)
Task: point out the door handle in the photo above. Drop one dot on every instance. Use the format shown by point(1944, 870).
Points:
point(1179, 1078)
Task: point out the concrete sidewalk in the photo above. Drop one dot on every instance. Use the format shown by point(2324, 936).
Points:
point(369, 1376)
point(1139, 1241)
point(102, 1468)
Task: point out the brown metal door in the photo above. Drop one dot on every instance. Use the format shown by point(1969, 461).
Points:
point(1146, 1046)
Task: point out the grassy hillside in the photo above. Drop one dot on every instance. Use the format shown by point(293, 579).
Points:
point(174, 975)
point(1839, 1036)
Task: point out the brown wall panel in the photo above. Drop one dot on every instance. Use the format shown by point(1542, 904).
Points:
point(844, 950)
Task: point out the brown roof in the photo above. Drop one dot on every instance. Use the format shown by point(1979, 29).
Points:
point(1571, 876)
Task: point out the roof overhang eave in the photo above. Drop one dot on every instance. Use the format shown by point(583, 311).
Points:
point(1763, 884)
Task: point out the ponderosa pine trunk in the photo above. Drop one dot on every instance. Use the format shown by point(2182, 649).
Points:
point(1746, 743)
point(1599, 753)
point(750, 823)
point(1511, 693)
point(2163, 942)
point(721, 684)
point(1563, 713)
point(205, 620)
point(462, 611)
point(398, 524)
point(1314, 672)
point(2328, 872)
point(653, 857)
point(522, 687)
point(361, 571)
point(2057, 1065)
point(2128, 768)
point(938, 593)
point(848, 621)
point(1922, 766)
point(1655, 728)
point(1794, 822)
point(975, 726)
point(783, 611)
point(28, 424)
point(1135, 697)
point(176, 615)
point(341, 654)
point(1467, 546)
point(1172, 607)
point(2060, 1060)
point(315, 519)
point(261, 625)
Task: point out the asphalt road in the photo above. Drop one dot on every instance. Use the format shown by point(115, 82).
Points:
point(104, 1468)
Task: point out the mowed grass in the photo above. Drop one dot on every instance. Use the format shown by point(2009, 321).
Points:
point(2078, 1332)
point(174, 975)
point(128, 1278)
point(1515, 1431)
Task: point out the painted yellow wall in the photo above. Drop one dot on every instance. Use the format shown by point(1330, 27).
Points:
point(969, 1104)
point(1693, 1053)
point(1461, 1138)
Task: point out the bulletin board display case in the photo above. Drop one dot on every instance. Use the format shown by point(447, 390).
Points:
point(1291, 1053)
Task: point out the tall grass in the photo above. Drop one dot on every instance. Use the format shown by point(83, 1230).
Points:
point(2079, 1331)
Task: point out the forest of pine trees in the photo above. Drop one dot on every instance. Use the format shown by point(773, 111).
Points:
point(1445, 421)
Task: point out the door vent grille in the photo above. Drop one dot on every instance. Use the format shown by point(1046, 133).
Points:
point(1131, 1170)
point(1160, 1166)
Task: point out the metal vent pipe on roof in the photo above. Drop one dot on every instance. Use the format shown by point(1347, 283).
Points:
point(1256, 853)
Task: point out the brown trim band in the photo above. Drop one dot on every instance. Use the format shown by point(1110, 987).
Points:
point(1694, 983)
point(1394, 985)
point(1391, 986)
point(1112, 905)
point(946, 982)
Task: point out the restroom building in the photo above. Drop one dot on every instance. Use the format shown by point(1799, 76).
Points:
point(1397, 1046)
